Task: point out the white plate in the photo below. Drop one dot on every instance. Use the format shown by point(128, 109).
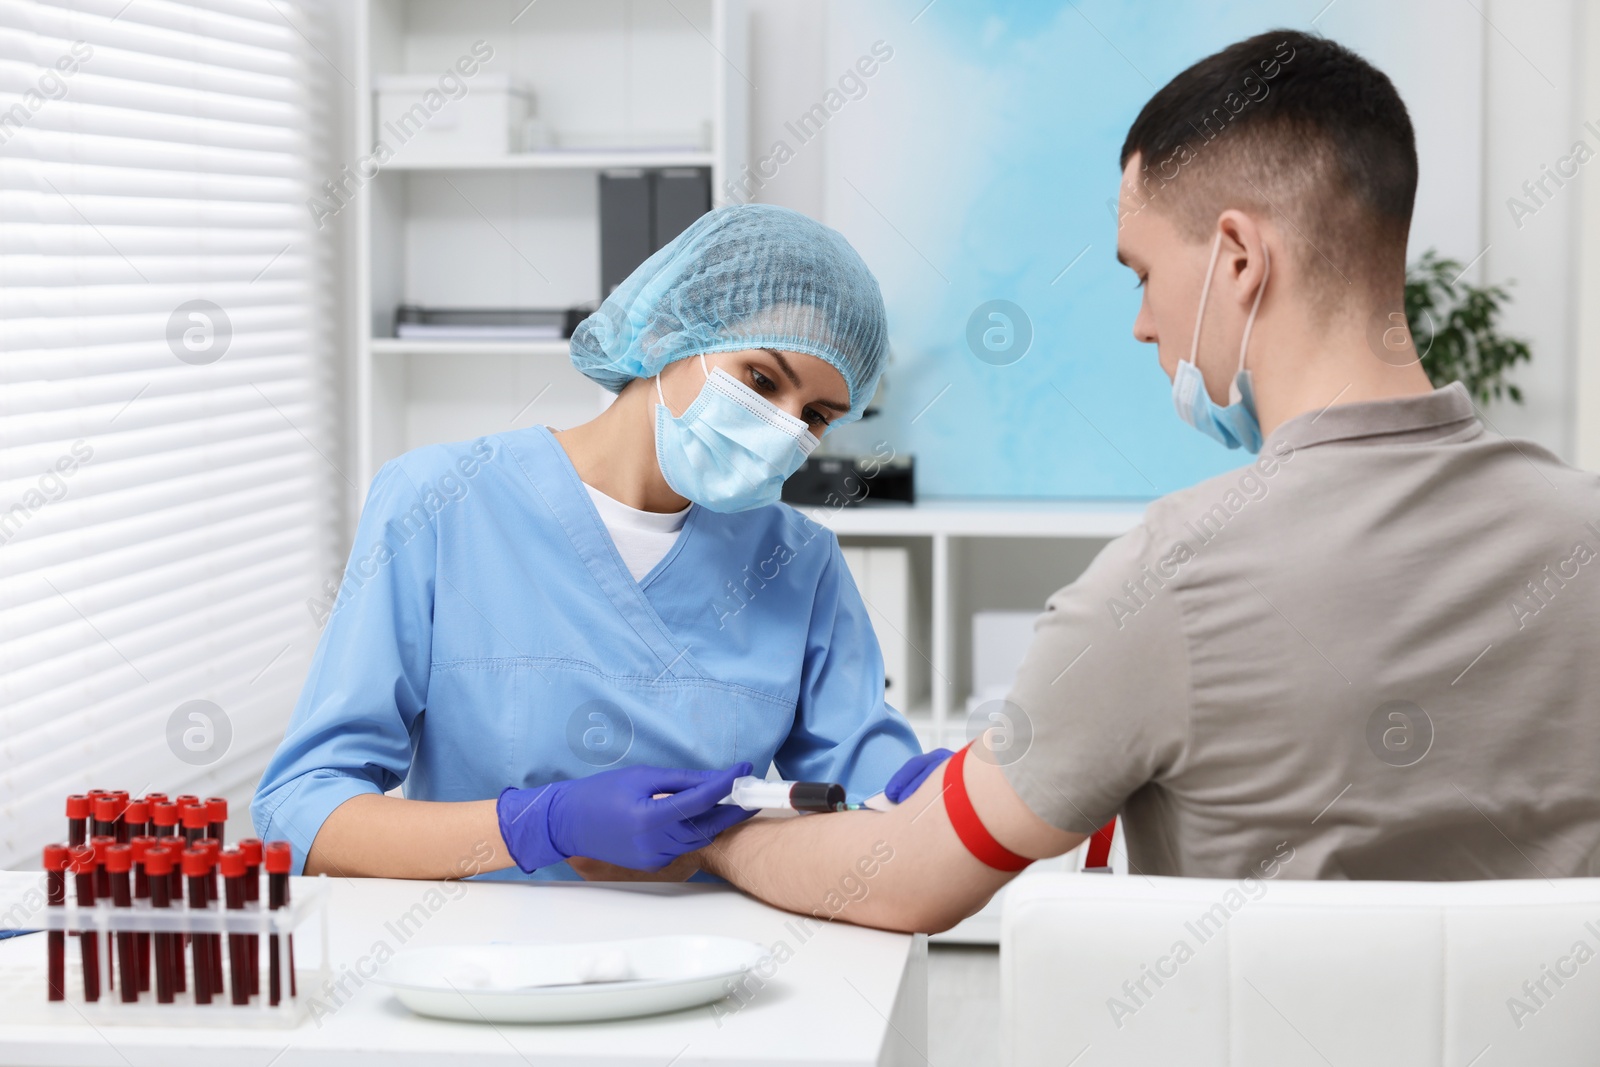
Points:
point(541, 983)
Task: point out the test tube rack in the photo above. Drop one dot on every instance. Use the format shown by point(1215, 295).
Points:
point(103, 921)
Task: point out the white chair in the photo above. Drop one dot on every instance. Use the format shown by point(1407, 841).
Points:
point(1098, 970)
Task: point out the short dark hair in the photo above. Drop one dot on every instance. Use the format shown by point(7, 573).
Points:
point(1294, 124)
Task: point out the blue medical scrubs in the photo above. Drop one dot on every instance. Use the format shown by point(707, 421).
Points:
point(487, 633)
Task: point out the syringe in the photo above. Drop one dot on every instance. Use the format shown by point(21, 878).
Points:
point(755, 794)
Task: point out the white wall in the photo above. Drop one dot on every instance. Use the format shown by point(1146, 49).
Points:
point(1531, 54)
point(1587, 276)
point(788, 40)
point(1532, 116)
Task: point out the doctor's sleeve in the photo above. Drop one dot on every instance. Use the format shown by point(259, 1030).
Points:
point(351, 730)
point(844, 730)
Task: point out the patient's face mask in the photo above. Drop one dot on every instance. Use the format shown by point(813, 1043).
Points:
point(1235, 425)
point(732, 448)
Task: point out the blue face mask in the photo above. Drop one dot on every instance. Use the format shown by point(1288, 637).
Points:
point(1235, 425)
point(732, 448)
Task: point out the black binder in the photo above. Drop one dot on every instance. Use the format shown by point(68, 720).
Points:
point(643, 210)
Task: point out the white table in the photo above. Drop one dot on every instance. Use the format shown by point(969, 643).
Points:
point(846, 995)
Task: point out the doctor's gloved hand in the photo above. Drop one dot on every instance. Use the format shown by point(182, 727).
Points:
point(616, 816)
point(911, 774)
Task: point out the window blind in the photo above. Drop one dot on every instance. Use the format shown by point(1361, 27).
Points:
point(169, 485)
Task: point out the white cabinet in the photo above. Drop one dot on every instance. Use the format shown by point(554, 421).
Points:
point(925, 570)
point(883, 575)
point(610, 84)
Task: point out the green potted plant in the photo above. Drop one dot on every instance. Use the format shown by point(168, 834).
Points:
point(1454, 326)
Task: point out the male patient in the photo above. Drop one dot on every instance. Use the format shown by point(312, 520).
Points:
point(1369, 654)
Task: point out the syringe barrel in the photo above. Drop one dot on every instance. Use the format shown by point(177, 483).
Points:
point(755, 794)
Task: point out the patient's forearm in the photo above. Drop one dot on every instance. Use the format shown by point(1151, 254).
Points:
point(378, 836)
point(897, 870)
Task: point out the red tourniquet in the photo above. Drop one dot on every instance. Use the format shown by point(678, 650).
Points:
point(1100, 845)
point(965, 821)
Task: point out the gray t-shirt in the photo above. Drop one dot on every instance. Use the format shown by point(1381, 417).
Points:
point(1377, 650)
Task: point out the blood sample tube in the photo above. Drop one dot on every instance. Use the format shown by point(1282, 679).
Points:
point(119, 820)
point(102, 891)
point(104, 810)
point(168, 953)
point(94, 795)
point(251, 847)
point(153, 799)
point(278, 861)
point(83, 872)
point(163, 818)
point(233, 868)
point(77, 819)
point(141, 846)
point(195, 864)
point(137, 817)
point(211, 848)
point(196, 822)
point(119, 862)
point(217, 812)
point(183, 800)
point(55, 865)
point(101, 842)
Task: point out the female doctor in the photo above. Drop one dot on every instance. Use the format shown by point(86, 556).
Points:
point(567, 644)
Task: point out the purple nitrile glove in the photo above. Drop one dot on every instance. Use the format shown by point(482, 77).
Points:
point(615, 816)
point(912, 773)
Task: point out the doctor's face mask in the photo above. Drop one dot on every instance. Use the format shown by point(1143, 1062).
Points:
point(732, 448)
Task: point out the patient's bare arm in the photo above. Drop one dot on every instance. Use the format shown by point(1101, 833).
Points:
point(903, 869)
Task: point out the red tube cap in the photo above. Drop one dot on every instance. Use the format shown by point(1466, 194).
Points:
point(119, 859)
point(106, 808)
point(101, 842)
point(251, 847)
point(78, 806)
point(195, 817)
point(81, 859)
point(196, 863)
point(139, 811)
point(279, 858)
point(141, 846)
point(232, 863)
point(153, 797)
point(163, 813)
point(217, 808)
point(158, 861)
point(210, 846)
point(55, 857)
point(185, 798)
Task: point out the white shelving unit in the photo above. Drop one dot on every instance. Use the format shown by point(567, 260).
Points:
point(519, 230)
point(969, 556)
point(564, 160)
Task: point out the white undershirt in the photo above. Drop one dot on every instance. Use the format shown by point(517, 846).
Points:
point(642, 538)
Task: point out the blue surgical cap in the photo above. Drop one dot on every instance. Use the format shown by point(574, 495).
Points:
point(743, 276)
